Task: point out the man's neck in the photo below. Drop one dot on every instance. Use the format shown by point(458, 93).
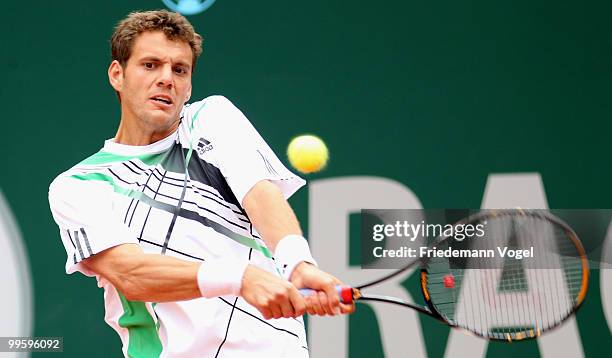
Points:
point(134, 133)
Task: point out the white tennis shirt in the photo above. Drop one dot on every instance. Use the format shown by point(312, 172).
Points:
point(129, 194)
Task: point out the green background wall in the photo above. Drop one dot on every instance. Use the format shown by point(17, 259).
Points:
point(435, 95)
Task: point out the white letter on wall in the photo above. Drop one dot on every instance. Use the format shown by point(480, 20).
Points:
point(525, 191)
point(16, 299)
point(331, 201)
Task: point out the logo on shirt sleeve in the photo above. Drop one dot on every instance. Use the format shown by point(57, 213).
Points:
point(203, 146)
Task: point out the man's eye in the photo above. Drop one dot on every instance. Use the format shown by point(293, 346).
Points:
point(180, 70)
point(148, 65)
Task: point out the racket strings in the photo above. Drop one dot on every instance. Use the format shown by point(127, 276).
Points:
point(509, 298)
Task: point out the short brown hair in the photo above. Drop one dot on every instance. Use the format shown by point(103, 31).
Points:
point(175, 26)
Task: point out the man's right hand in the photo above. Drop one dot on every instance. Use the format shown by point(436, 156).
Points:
point(271, 295)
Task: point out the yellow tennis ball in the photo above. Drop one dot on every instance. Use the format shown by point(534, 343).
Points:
point(307, 153)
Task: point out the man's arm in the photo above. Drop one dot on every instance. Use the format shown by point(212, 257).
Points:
point(274, 219)
point(159, 278)
point(146, 277)
point(270, 213)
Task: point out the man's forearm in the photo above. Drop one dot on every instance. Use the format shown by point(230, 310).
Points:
point(158, 278)
point(270, 213)
point(146, 277)
point(276, 222)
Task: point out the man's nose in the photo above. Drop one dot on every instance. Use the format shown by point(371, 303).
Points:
point(165, 76)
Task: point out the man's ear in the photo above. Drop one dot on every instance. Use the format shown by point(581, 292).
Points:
point(115, 75)
point(188, 95)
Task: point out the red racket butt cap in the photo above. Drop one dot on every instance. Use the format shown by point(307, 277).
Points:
point(345, 293)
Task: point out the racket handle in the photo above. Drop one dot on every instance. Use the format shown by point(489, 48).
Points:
point(345, 293)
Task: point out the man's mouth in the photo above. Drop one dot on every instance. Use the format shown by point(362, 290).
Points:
point(162, 99)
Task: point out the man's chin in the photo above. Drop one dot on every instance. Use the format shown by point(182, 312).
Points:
point(162, 119)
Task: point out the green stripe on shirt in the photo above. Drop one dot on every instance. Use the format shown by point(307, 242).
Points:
point(104, 157)
point(144, 341)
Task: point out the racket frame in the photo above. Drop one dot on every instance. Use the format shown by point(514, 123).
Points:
point(430, 308)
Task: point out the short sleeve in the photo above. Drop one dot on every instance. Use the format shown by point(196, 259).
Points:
point(244, 157)
point(83, 210)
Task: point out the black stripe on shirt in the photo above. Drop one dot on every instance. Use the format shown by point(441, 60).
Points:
point(156, 192)
point(229, 321)
point(227, 328)
point(144, 224)
point(191, 184)
point(74, 258)
point(155, 170)
point(260, 319)
point(70, 237)
point(78, 243)
point(86, 241)
point(269, 166)
point(171, 249)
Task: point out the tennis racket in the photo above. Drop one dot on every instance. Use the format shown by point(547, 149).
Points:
point(502, 299)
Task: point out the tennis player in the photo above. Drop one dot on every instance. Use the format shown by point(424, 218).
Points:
point(182, 216)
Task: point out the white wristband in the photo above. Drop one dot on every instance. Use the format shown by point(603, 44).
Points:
point(290, 251)
point(221, 277)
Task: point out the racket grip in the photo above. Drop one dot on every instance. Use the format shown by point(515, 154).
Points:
point(344, 292)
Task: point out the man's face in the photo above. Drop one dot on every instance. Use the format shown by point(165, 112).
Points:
point(155, 82)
